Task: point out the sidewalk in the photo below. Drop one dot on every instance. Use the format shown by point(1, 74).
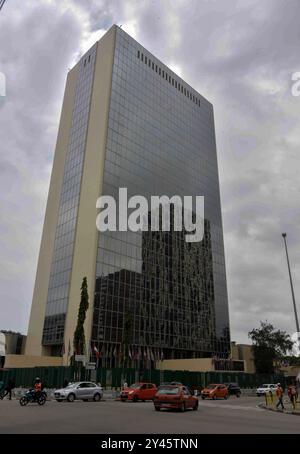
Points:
point(288, 407)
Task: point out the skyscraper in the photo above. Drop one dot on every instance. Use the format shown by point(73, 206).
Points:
point(128, 121)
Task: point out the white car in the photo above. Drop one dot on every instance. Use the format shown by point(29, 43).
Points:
point(266, 389)
point(84, 390)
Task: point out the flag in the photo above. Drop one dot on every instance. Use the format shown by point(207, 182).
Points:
point(97, 353)
point(120, 354)
point(151, 355)
point(102, 352)
point(62, 352)
point(69, 348)
point(161, 355)
point(135, 353)
point(129, 353)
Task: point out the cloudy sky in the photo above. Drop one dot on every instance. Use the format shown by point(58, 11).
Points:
point(240, 55)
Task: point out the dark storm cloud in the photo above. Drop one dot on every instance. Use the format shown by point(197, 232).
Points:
point(238, 54)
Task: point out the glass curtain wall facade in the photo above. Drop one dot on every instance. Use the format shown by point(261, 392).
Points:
point(61, 267)
point(157, 296)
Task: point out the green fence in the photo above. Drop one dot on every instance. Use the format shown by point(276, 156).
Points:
point(53, 377)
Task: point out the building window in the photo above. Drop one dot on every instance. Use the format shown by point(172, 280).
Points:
point(165, 75)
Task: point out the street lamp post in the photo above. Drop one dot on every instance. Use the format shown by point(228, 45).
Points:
point(291, 282)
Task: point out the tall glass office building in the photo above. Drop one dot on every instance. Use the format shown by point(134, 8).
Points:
point(129, 122)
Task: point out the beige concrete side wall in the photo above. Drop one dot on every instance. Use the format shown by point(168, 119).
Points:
point(36, 323)
point(234, 351)
point(193, 364)
point(85, 249)
point(246, 354)
point(243, 352)
point(14, 361)
point(290, 371)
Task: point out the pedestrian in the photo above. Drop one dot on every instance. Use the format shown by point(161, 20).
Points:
point(8, 389)
point(125, 385)
point(2, 386)
point(279, 394)
point(292, 393)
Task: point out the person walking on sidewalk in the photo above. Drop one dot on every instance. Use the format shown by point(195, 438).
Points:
point(279, 394)
point(292, 393)
point(8, 389)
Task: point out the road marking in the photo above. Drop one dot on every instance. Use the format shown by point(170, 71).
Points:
point(233, 407)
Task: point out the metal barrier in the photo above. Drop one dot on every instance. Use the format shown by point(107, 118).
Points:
point(54, 377)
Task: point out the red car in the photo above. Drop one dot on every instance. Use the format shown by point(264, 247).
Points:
point(175, 396)
point(139, 391)
point(215, 391)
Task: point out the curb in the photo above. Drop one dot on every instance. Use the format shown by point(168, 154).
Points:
point(286, 412)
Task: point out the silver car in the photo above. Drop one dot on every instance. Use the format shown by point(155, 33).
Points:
point(84, 390)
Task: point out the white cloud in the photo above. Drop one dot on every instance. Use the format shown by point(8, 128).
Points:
point(240, 55)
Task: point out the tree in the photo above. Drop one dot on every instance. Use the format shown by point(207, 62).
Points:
point(269, 346)
point(79, 337)
point(127, 335)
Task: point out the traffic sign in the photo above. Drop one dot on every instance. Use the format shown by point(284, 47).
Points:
point(80, 358)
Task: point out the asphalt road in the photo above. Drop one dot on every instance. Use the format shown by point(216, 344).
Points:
point(234, 416)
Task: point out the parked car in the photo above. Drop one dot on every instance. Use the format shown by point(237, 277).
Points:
point(215, 391)
point(80, 390)
point(233, 389)
point(266, 388)
point(139, 391)
point(175, 396)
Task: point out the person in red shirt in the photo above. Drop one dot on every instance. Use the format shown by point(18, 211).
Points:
point(38, 387)
point(279, 394)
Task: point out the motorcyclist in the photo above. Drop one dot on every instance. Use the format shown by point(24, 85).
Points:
point(37, 387)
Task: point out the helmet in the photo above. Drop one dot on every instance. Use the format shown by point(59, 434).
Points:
point(278, 384)
point(37, 379)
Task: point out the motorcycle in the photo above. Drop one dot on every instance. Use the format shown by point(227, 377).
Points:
point(32, 396)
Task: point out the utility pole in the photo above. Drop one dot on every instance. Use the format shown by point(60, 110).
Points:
point(291, 282)
point(1, 4)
